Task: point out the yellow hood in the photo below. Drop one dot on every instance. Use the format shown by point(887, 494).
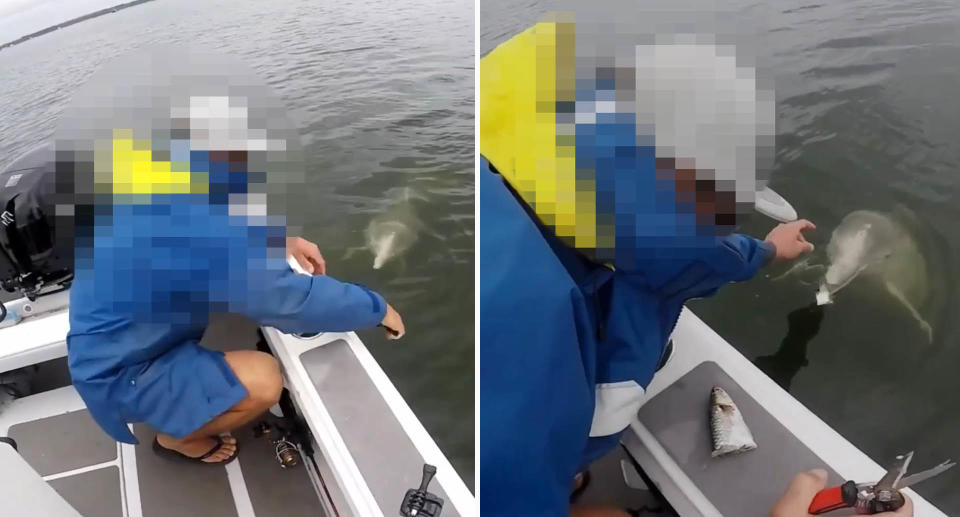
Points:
point(522, 83)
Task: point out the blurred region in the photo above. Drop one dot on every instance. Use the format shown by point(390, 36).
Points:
point(193, 135)
point(627, 143)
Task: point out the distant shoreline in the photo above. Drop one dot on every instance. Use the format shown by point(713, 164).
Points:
point(68, 23)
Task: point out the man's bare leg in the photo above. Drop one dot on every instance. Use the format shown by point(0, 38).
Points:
point(260, 374)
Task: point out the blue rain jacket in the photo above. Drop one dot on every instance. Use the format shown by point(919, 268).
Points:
point(567, 346)
point(140, 302)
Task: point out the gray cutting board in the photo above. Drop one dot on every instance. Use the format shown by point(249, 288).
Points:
point(744, 485)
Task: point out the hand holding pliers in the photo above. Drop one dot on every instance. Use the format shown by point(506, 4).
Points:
point(871, 498)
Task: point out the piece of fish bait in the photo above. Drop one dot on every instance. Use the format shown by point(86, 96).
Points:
point(729, 432)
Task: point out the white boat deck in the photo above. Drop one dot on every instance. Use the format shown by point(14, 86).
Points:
point(96, 476)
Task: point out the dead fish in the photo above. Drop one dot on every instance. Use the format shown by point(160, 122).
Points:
point(729, 432)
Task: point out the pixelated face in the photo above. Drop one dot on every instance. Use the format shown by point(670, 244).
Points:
point(709, 125)
point(626, 144)
point(166, 161)
point(172, 121)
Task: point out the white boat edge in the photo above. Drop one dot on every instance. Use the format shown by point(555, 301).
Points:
point(695, 343)
point(288, 349)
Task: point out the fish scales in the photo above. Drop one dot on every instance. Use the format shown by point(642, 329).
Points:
point(727, 428)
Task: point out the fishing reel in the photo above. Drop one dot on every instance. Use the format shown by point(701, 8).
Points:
point(418, 502)
point(285, 451)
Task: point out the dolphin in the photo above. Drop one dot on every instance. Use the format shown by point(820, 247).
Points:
point(892, 251)
point(878, 246)
point(864, 238)
point(392, 233)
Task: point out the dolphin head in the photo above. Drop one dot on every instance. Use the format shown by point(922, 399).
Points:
point(384, 249)
point(388, 239)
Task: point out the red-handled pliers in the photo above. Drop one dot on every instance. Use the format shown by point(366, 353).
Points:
point(871, 498)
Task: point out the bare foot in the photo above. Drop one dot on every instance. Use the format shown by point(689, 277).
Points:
point(198, 447)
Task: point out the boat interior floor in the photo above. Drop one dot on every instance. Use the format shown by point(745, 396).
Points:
point(57, 437)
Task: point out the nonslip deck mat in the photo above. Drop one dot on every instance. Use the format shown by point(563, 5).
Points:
point(94, 494)
point(383, 451)
point(169, 487)
point(743, 485)
point(63, 442)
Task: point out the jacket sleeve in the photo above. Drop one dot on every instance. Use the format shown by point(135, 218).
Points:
point(295, 303)
point(750, 255)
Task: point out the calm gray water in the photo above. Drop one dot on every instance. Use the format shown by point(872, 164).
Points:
point(383, 94)
point(867, 119)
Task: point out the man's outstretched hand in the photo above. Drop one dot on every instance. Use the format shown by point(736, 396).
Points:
point(393, 324)
point(307, 255)
point(796, 500)
point(788, 240)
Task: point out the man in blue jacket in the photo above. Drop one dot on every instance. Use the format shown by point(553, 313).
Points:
point(171, 226)
point(609, 189)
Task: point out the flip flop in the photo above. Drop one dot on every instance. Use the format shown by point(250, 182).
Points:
point(160, 450)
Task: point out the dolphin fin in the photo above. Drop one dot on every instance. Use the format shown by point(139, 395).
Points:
point(927, 329)
point(803, 269)
point(425, 228)
point(434, 234)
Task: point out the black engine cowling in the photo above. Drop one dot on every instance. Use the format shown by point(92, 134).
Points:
point(32, 254)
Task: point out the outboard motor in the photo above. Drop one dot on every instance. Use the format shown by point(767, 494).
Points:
point(34, 260)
